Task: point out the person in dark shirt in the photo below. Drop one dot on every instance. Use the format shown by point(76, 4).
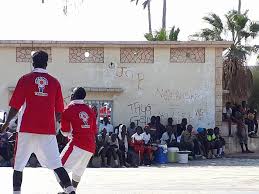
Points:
point(181, 127)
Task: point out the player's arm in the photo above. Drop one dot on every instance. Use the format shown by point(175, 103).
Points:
point(16, 102)
point(65, 123)
point(59, 104)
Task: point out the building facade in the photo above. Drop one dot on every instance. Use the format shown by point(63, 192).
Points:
point(129, 81)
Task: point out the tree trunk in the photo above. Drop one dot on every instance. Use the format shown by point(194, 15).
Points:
point(164, 16)
point(239, 6)
point(149, 19)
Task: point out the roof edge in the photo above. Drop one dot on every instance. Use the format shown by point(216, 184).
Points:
point(21, 43)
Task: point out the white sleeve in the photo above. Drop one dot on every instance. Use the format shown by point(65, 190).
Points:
point(224, 110)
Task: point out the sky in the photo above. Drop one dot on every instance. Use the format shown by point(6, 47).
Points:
point(106, 20)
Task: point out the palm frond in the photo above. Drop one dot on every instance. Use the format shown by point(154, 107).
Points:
point(145, 3)
point(214, 20)
point(173, 36)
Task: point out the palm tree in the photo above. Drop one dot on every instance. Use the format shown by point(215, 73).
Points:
point(237, 77)
point(146, 4)
point(162, 35)
point(164, 15)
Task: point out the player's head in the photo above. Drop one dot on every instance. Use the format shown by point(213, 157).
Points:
point(79, 93)
point(40, 59)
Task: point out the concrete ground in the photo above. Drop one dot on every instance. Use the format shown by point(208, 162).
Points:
point(219, 176)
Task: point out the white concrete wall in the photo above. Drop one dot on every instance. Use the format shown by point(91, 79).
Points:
point(162, 88)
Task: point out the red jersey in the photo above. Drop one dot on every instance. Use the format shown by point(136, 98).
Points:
point(38, 96)
point(80, 119)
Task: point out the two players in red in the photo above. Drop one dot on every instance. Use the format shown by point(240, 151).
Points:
point(38, 101)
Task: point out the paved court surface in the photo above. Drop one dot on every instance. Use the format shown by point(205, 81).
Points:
point(222, 176)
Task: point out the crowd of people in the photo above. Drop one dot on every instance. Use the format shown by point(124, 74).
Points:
point(245, 119)
point(131, 146)
point(136, 145)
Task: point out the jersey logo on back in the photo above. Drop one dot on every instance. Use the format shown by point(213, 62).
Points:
point(41, 82)
point(84, 117)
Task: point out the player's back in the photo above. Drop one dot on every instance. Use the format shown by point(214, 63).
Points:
point(39, 95)
point(83, 122)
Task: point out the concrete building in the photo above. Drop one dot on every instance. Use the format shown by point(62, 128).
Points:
point(129, 81)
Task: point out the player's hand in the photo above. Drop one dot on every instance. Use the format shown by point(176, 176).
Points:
point(4, 127)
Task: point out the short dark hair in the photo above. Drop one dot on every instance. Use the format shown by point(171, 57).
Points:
point(40, 59)
point(79, 93)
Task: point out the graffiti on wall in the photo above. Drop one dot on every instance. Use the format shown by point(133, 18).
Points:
point(168, 95)
point(126, 73)
point(140, 113)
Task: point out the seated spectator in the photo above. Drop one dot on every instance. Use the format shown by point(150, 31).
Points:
point(102, 144)
point(203, 142)
point(220, 142)
point(116, 129)
point(123, 146)
point(113, 150)
point(160, 128)
point(6, 149)
point(148, 150)
point(181, 127)
point(131, 130)
point(106, 124)
point(241, 132)
point(211, 138)
point(227, 116)
point(186, 143)
point(170, 121)
point(137, 143)
point(153, 128)
point(169, 137)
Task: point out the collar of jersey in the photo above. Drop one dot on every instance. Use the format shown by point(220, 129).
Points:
point(39, 70)
point(77, 102)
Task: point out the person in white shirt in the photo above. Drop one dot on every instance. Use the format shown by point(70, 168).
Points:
point(148, 150)
point(169, 137)
point(106, 124)
point(138, 136)
point(146, 135)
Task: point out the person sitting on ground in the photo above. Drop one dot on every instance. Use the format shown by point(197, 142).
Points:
point(220, 142)
point(153, 128)
point(6, 151)
point(113, 150)
point(241, 132)
point(170, 121)
point(211, 137)
point(131, 130)
point(106, 124)
point(203, 142)
point(116, 129)
point(227, 116)
point(102, 146)
point(160, 127)
point(123, 146)
point(137, 143)
point(148, 150)
point(169, 137)
point(186, 143)
point(181, 127)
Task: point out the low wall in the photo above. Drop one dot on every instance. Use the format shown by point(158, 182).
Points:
point(232, 143)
